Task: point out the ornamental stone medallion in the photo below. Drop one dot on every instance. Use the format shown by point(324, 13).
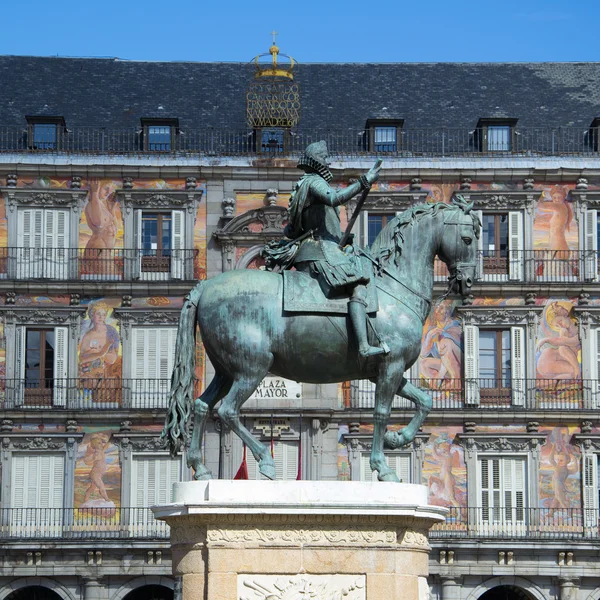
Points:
point(301, 587)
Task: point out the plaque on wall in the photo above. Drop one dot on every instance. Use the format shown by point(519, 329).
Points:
point(277, 387)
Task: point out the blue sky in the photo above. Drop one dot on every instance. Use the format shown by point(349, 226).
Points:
point(309, 30)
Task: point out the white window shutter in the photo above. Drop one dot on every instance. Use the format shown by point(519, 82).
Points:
point(37, 481)
point(178, 244)
point(56, 235)
point(30, 242)
point(479, 270)
point(515, 245)
point(19, 476)
point(365, 468)
point(364, 222)
point(471, 358)
point(595, 366)
point(285, 458)
point(590, 489)
point(61, 336)
point(137, 243)
point(19, 391)
point(484, 490)
point(517, 357)
point(400, 463)
point(590, 267)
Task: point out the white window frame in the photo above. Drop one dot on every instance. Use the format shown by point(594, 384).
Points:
point(516, 252)
point(151, 344)
point(495, 519)
point(518, 362)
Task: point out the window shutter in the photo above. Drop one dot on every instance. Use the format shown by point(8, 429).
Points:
point(484, 489)
point(590, 489)
point(37, 481)
point(471, 358)
point(591, 245)
point(137, 245)
point(399, 463)
point(365, 468)
point(19, 390)
point(19, 475)
point(290, 450)
point(517, 357)
point(515, 245)
point(595, 370)
point(364, 222)
point(178, 243)
point(56, 241)
point(479, 271)
point(285, 458)
point(30, 241)
point(61, 335)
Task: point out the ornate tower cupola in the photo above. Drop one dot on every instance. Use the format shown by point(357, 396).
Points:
point(273, 99)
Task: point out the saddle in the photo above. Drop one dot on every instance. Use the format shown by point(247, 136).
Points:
point(304, 294)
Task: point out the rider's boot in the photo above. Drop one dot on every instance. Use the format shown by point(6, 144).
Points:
point(358, 316)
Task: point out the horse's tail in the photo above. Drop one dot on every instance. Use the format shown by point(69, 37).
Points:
point(181, 396)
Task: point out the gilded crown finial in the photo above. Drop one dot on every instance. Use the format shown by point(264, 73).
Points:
point(275, 68)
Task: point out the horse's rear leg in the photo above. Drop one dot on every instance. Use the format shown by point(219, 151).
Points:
point(423, 401)
point(202, 406)
point(229, 411)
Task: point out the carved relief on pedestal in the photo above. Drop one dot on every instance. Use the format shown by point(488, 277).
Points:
point(299, 587)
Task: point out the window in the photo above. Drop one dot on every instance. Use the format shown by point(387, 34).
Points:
point(375, 222)
point(591, 500)
point(42, 243)
point(285, 455)
point(160, 243)
point(495, 135)
point(502, 495)
point(152, 365)
point(400, 463)
point(594, 134)
point(501, 246)
point(41, 366)
point(159, 134)
point(383, 135)
point(272, 140)
point(45, 133)
point(37, 490)
point(591, 230)
point(495, 365)
point(152, 479)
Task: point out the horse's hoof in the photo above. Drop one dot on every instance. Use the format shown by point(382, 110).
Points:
point(389, 476)
point(267, 469)
point(202, 475)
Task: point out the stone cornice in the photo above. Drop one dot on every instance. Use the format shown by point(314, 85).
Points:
point(500, 315)
point(43, 197)
point(502, 199)
point(588, 442)
point(159, 199)
point(133, 316)
point(270, 221)
point(500, 442)
point(363, 442)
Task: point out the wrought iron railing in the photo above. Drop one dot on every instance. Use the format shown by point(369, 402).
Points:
point(410, 142)
point(518, 522)
point(93, 392)
point(531, 266)
point(80, 523)
point(96, 264)
point(484, 394)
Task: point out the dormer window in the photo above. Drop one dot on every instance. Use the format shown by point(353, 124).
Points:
point(159, 134)
point(594, 134)
point(384, 135)
point(272, 140)
point(495, 135)
point(45, 133)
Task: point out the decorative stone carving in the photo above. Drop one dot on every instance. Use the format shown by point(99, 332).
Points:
point(530, 298)
point(67, 198)
point(411, 537)
point(228, 206)
point(49, 442)
point(583, 299)
point(186, 200)
point(75, 182)
point(74, 300)
point(475, 315)
point(468, 300)
point(142, 443)
point(301, 587)
point(528, 183)
point(586, 426)
point(191, 183)
point(506, 200)
point(125, 426)
point(416, 184)
point(127, 183)
point(469, 427)
point(6, 425)
point(465, 184)
point(483, 442)
point(533, 427)
point(126, 301)
point(582, 184)
point(71, 425)
point(271, 196)
point(11, 180)
point(10, 298)
point(145, 317)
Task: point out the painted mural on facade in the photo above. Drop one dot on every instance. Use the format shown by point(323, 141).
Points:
point(99, 357)
point(560, 475)
point(97, 471)
point(444, 469)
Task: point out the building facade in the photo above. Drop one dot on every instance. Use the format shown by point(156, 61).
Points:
point(124, 183)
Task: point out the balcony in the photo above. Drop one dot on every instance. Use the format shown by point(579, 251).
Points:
point(441, 141)
point(531, 266)
point(96, 265)
point(523, 394)
point(84, 394)
point(518, 522)
point(80, 524)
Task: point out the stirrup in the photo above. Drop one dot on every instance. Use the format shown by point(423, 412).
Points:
point(374, 350)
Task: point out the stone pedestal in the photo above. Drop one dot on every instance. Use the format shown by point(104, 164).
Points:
point(300, 540)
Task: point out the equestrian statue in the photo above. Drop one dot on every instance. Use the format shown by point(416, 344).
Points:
point(341, 313)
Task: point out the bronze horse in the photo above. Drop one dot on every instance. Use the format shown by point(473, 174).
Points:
point(247, 334)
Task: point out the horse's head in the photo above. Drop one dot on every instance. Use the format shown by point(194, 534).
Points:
point(458, 246)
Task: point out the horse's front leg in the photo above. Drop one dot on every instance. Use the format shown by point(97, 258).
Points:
point(384, 396)
point(423, 401)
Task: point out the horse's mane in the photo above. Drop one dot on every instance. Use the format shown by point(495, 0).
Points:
point(390, 240)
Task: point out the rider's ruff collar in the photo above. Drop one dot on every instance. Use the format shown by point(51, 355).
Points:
point(314, 160)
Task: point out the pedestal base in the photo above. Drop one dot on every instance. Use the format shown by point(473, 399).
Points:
point(300, 540)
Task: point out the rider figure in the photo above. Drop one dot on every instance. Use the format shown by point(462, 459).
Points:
point(314, 207)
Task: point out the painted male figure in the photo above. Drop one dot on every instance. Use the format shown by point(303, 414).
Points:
point(314, 206)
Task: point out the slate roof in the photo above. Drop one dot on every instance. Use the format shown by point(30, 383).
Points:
point(116, 93)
